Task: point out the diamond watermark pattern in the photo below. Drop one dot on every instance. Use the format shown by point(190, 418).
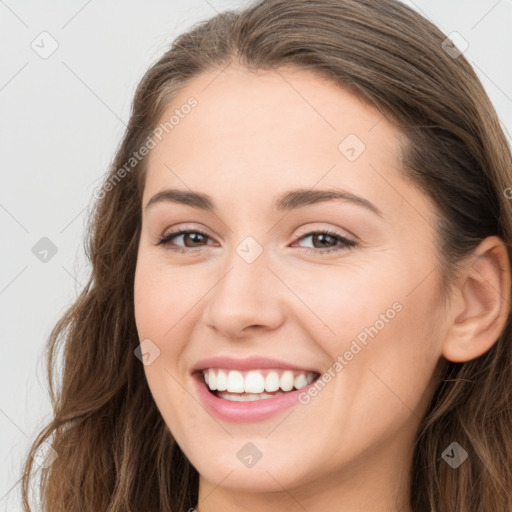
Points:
point(249, 455)
point(45, 45)
point(351, 147)
point(44, 250)
point(455, 455)
point(45, 455)
point(249, 249)
point(455, 45)
point(147, 352)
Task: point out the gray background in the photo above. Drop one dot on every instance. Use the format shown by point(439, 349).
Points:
point(61, 120)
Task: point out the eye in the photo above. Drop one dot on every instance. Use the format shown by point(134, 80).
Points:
point(329, 241)
point(192, 236)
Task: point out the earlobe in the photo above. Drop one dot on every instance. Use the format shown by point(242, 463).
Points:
point(483, 303)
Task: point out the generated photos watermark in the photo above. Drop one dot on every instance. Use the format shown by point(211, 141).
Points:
point(150, 143)
point(356, 346)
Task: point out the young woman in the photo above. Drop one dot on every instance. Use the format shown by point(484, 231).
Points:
point(300, 285)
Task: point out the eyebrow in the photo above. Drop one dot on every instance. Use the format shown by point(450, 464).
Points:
point(288, 201)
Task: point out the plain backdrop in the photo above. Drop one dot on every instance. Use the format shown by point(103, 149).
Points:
point(62, 117)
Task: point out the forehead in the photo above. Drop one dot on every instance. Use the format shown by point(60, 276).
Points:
point(267, 131)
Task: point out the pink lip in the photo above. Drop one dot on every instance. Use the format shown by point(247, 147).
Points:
point(245, 412)
point(250, 363)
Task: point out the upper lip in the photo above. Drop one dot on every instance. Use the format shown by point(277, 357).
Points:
point(249, 363)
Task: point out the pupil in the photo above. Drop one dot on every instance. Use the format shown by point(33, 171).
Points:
point(195, 236)
point(323, 237)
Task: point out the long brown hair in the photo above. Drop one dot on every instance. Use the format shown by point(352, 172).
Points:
point(115, 452)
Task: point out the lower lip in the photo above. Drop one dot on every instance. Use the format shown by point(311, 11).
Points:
point(245, 412)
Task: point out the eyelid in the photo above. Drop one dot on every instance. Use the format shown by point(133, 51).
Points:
point(307, 230)
point(343, 233)
point(188, 227)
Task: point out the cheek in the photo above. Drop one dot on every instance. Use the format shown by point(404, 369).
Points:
point(345, 300)
point(164, 298)
point(394, 301)
point(381, 335)
point(394, 356)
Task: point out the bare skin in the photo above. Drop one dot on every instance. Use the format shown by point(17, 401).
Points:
point(252, 138)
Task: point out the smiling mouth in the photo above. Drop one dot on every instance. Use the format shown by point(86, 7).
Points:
point(247, 386)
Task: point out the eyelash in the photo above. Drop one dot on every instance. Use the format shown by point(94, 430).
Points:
point(347, 244)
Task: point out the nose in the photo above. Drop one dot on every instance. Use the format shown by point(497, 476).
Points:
point(246, 299)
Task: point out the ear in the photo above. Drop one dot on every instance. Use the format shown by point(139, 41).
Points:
point(481, 304)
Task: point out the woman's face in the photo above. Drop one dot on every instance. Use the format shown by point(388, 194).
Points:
point(276, 300)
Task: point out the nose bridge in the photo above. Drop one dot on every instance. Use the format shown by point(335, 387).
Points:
point(244, 295)
point(246, 273)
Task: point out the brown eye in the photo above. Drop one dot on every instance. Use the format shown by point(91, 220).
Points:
point(326, 241)
point(194, 238)
point(186, 239)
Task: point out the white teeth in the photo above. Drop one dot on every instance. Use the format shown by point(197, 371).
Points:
point(212, 379)
point(272, 382)
point(287, 380)
point(300, 381)
point(235, 382)
point(222, 381)
point(254, 383)
point(247, 397)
